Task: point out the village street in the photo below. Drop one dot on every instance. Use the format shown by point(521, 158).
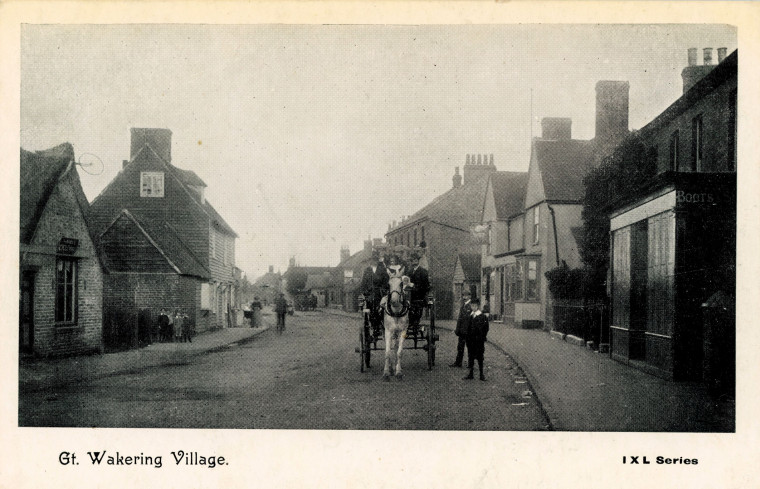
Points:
point(307, 378)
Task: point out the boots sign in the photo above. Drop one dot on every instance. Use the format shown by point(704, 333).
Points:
point(694, 197)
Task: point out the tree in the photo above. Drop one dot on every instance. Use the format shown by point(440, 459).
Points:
point(296, 278)
point(630, 166)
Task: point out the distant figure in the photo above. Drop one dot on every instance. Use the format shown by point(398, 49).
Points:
point(163, 325)
point(178, 321)
point(477, 332)
point(281, 309)
point(188, 329)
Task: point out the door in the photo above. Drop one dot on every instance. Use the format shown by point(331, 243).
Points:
point(26, 311)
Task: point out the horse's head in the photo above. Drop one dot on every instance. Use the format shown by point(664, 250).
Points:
point(396, 289)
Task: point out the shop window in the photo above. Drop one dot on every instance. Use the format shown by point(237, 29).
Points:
point(65, 291)
point(696, 143)
point(621, 277)
point(151, 184)
point(660, 273)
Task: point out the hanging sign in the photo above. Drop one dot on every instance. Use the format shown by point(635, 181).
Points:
point(67, 246)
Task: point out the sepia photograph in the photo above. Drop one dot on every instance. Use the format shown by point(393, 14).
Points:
point(367, 230)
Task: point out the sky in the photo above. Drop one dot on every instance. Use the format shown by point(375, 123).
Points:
point(315, 137)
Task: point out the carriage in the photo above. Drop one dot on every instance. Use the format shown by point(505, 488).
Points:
point(404, 324)
point(421, 335)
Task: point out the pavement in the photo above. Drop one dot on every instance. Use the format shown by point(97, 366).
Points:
point(582, 390)
point(40, 374)
point(579, 389)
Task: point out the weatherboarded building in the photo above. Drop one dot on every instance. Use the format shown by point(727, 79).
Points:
point(163, 243)
point(60, 275)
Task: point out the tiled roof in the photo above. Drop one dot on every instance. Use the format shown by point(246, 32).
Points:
point(470, 263)
point(358, 259)
point(188, 177)
point(167, 242)
point(563, 164)
point(508, 192)
point(39, 175)
point(460, 207)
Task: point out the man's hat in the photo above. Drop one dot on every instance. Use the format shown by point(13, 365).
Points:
point(475, 300)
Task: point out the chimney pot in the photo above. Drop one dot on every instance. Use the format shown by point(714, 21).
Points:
point(721, 54)
point(692, 56)
point(124, 163)
point(708, 56)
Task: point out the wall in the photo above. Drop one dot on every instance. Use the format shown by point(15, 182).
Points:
point(63, 217)
point(719, 135)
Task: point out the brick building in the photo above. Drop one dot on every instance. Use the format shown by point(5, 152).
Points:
point(60, 275)
point(673, 243)
point(163, 243)
point(444, 227)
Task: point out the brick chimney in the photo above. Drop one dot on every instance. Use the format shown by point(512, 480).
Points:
point(160, 140)
point(556, 128)
point(478, 166)
point(695, 72)
point(271, 268)
point(368, 245)
point(345, 254)
point(611, 110)
point(457, 178)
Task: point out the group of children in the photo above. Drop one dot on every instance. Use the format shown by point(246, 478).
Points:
point(177, 327)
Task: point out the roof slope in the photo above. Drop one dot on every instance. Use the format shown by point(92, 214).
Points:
point(470, 263)
point(358, 259)
point(132, 244)
point(508, 192)
point(40, 173)
point(459, 207)
point(563, 164)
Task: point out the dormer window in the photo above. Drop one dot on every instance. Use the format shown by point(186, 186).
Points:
point(151, 184)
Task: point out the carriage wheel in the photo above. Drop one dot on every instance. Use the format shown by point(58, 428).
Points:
point(364, 348)
point(431, 338)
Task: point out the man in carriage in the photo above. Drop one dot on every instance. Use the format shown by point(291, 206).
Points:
point(374, 287)
point(418, 287)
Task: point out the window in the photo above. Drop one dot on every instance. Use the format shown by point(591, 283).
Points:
point(673, 152)
point(415, 237)
point(696, 143)
point(151, 184)
point(65, 291)
point(517, 281)
point(536, 221)
point(660, 273)
point(422, 238)
point(531, 281)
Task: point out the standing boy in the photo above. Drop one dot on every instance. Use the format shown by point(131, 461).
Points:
point(476, 338)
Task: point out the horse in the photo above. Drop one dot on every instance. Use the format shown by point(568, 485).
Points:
point(396, 319)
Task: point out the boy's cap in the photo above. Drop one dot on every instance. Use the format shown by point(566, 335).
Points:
point(475, 300)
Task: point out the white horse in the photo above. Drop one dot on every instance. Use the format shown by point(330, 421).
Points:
point(396, 312)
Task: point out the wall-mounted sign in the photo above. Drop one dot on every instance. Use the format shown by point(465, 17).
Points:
point(67, 246)
point(694, 197)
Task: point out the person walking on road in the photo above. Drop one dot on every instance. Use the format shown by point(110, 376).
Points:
point(461, 329)
point(281, 309)
point(477, 332)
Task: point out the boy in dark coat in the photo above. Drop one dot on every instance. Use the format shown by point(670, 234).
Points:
point(476, 338)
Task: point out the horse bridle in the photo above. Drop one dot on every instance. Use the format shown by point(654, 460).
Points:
point(404, 304)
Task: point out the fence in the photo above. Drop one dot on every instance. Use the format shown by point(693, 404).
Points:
point(588, 321)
